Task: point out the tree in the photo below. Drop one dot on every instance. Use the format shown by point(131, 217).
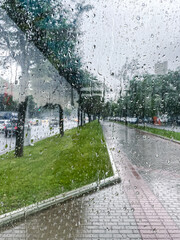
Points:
point(54, 35)
point(92, 105)
point(31, 106)
point(90, 97)
point(47, 24)
point(151, 95)
point(7, 103)
point(61, 116)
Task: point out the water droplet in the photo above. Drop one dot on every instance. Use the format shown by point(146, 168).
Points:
point(138, 18)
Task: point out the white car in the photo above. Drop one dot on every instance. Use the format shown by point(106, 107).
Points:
point(7, 122)
point(2, 125)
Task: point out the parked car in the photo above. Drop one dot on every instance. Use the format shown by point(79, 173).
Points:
point(45, 121)
point(132, 119)
point(35, 122)
point(10, 129)
point(2, 124)
point(178, 120)
point(122, 119)
point(145, 120)
point(175, 120)
point(164, 118)
point(53, 123)
point(7, 121)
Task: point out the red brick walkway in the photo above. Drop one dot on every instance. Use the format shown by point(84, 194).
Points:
point(151, 217)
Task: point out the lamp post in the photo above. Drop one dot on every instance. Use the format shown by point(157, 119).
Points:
point(126, 113)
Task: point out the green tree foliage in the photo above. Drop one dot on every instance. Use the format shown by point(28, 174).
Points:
point(148, 96)
point(91, 105)
point(111, 109)
point(151, 95)
point(47, 24)
point(31, 106)
point(7, 103)
point(91, 101)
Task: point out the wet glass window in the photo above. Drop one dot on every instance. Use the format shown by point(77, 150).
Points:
point(89, 119)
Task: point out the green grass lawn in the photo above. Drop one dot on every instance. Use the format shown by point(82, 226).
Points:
point(160, 132)
point(53, 166)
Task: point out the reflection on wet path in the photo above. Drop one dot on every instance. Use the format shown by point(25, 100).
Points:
point(148, 152)
point(156, 160)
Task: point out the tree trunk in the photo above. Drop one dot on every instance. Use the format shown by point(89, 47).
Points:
point(79, 110)
point(81, 117)
point(89, 117)
point(61, 121)
point(84, 116)
point(20, 128)
point(72, 96)
point(78, 116)
point(98, 118)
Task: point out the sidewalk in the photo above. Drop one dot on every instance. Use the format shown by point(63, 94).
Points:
point(129, 210)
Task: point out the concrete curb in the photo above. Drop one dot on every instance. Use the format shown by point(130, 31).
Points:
point(111, 158)
point(21, 213)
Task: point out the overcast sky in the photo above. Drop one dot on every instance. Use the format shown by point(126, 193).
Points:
point(115, 31)
point(148, 31)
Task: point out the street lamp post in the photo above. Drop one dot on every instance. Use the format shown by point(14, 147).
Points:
point(126, 113)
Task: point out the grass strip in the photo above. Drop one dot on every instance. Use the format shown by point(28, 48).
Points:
point(161, 132)
point(53, 166)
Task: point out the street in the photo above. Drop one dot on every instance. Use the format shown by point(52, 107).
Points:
point(37, 133)
point(145, 205)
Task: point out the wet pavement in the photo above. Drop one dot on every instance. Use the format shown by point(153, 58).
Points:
point(145, 205)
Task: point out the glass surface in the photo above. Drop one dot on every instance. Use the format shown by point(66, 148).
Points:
point(89, 119)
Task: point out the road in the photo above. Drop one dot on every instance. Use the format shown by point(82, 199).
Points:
point(37, 133)
point(145, 205)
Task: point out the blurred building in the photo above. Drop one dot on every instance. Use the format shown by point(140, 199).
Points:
point(161, 68)
point(8, 88)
